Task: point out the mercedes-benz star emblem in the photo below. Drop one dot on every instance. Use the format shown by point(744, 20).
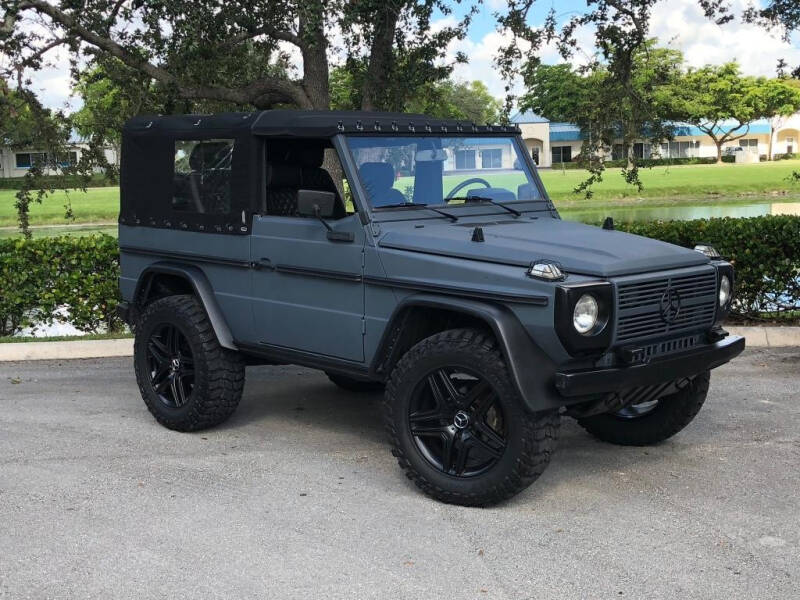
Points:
point(461, 419)
point(670, 305)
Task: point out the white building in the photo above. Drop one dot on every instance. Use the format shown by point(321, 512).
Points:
point(18, 161)
point(553, 143)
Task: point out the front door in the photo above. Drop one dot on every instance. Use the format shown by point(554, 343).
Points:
point(308, 293)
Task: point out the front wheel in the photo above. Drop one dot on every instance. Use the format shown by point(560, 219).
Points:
point(457, 424)
point(654, 421)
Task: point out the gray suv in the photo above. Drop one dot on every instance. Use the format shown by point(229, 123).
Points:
point(413, 255)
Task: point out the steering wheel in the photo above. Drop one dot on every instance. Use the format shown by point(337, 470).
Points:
point(464, 184)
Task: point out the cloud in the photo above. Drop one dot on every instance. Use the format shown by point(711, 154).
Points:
point(681, 24)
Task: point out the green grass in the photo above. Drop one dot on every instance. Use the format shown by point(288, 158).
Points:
point(95, 205)
point(690, 185)
point(66, 338)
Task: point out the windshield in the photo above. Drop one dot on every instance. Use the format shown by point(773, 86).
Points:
point(441, 171)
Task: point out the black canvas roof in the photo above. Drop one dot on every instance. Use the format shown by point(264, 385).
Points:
point(301, 123)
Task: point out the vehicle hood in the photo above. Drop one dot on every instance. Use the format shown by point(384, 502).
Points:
point(578, 248)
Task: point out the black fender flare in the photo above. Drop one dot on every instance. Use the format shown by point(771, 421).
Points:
point(531, 369)
point(202, 289)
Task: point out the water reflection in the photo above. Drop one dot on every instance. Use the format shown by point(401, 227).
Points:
point(682, 213)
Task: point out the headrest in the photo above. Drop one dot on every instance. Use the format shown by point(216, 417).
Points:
point(301, 153)
point(210, 155)
point(283, 176)
point(377, 176)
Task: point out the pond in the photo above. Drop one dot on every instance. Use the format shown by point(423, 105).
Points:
point(628, 214)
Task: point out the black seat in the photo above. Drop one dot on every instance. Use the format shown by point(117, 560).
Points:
point(378, 179)
point(283, 181)
point(294, 165)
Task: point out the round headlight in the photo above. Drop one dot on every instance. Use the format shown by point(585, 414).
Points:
point(724, 290)
point(584, 318)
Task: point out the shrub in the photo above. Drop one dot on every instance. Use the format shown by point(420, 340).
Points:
point(78, 273)
point(38, 276)
point(650, 162)
point(70, 181)
point(765, 251)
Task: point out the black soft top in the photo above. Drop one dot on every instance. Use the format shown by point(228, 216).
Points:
point(304, 124)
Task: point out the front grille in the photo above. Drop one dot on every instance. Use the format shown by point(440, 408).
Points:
point(639, 305)
point(671, 346)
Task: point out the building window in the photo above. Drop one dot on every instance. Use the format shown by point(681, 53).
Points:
point(678, 149)
point(751, 144)
point(562, 154)
point(535, 155)
point(465, 159)
point(25, 160)
point(492, 159)
point(203, 176)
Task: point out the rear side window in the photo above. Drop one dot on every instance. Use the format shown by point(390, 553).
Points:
point(202, 176)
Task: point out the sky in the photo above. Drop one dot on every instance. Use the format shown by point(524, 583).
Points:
point(678, 24)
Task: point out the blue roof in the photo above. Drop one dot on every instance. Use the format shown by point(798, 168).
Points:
point(756, 127)
point(565, 132)
point(528, 116)
point(569, 132)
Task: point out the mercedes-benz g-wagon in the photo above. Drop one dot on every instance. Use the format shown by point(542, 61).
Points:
point(413, 255)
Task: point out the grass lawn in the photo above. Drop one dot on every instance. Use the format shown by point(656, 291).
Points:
point(95, 205)
point(663, 186)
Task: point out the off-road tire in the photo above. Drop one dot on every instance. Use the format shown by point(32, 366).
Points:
point(531, 436)
point(218, 372)
point(670, 415)
point(359, 386)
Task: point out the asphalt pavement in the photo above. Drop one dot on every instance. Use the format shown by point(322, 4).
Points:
point(297, 496)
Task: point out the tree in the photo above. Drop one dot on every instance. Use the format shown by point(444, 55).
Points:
point(722, 103)
point(237, 53)
point(457, 100)
point(719, 101)
point(777, 99)
point(606, 109)
point(108, 102)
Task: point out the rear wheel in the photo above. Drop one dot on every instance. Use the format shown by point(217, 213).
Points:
point(651, 422)
point(187, 380)
point(457, 424)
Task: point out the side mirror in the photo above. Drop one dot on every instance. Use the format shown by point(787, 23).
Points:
point(315, 203)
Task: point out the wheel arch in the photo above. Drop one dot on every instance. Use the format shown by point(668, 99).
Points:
point(419, 316)
point(162, 279)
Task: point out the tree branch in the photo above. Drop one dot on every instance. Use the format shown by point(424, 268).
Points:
point(288, 91)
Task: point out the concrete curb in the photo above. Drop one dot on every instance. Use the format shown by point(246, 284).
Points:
point(65, 350)
point(757, 337)
point(768, 337)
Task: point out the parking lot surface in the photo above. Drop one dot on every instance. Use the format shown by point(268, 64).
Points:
point(297, 496)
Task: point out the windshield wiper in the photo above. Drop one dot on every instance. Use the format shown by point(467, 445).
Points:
point(505, 207)
point(450, 216)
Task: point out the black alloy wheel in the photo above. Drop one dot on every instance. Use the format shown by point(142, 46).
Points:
point(457, 423)
point(187, 380)
point(171, 365)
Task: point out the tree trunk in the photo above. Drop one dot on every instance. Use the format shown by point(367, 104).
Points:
point(771, 135)
point(719, 151)
point(380, 59)
point(315, 57)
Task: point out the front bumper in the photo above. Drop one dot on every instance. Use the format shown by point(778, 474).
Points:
point(669, 368)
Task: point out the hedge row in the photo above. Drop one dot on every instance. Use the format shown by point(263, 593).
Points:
point(68, 181)
point(765, 251)
point(39, 276)
point(80, 273)
point(651, 162)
